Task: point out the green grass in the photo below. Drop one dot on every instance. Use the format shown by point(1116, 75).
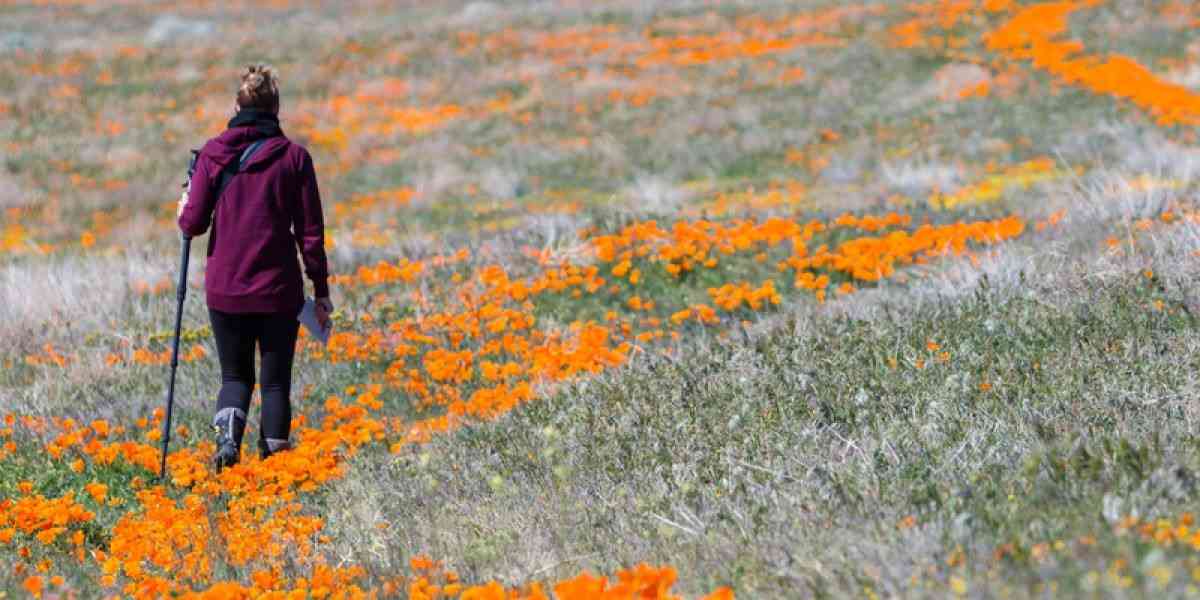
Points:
point(783, 464)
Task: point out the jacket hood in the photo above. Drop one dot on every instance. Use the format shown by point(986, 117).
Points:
point(228, 147)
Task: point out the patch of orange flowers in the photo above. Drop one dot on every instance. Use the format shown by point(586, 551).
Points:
point(872, 258)
point(42, 519)
point(48, 356)
point(731, 297)
point(1033, 35)
point(1164, 532)
point(642, 582)
point(929, 25)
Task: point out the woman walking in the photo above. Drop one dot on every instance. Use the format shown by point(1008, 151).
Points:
point(258, 191)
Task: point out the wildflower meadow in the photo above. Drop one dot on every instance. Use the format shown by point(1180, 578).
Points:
point(635, 300)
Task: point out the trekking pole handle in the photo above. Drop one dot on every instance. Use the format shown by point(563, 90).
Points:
point(181, 289)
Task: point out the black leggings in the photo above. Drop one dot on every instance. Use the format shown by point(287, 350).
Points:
point(275, 335)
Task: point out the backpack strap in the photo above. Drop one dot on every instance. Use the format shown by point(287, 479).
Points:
point(226, 176)
point(233, 168)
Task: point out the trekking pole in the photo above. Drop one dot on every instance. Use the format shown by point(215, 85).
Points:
point(180, 295)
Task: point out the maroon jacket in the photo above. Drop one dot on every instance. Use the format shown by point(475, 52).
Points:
point(267, 211)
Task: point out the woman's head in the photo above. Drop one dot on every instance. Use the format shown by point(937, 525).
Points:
point(259, 89)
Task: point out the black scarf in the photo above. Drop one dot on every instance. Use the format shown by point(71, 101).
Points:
point(266, 122)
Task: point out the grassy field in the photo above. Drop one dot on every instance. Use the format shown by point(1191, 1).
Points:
point(635, 300)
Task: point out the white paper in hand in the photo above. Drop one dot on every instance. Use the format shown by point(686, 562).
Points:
point(308, 318)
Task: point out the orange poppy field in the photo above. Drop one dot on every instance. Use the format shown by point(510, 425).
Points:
point(634, 300)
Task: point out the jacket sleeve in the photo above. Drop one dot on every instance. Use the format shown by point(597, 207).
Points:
point(197, 213)
point(308, 227)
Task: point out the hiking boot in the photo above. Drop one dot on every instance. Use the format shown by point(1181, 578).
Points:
point(269, 446)
point(230, 424)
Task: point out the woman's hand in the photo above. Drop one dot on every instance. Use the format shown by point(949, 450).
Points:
point(183, 200)
point(324, 308)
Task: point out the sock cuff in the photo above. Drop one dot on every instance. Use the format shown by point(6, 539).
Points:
point(235, 411)
point(276, 444)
